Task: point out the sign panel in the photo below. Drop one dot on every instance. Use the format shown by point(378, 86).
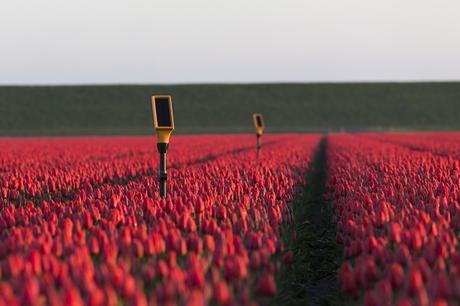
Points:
point(162, 112)
point(258, 121)
point(259, 124)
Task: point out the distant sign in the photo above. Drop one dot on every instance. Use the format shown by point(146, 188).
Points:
point(259, 124)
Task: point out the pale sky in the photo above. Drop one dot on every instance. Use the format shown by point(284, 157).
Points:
point(185, 41)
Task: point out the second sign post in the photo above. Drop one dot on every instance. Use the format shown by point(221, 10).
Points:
point(259, 124)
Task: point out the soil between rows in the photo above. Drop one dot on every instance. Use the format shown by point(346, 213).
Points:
point(312, 278)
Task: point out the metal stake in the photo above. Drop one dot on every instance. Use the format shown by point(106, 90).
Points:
point(259, 142)
point(163, 174)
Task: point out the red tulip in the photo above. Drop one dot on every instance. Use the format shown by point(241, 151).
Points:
point(396, 275)
point(415, 281)
point(96, 297)
point(267, 285)
point(31, 292)
point(221, 293)
point(371, 299)
point(347, 278)
point(288, 257)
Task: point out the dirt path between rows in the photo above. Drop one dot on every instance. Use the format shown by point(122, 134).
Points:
point(312, 278)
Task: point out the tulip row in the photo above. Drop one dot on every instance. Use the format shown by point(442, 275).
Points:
point(398, 214)
point(56, 167)
point(443, 144)
point(81, 221)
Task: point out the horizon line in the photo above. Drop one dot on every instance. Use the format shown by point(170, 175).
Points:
point(230, 83)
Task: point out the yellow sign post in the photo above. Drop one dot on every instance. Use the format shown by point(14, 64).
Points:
point(259, 125)
point(163, 119)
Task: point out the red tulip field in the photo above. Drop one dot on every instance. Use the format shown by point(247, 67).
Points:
point(81, 221)
point(396, 199)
